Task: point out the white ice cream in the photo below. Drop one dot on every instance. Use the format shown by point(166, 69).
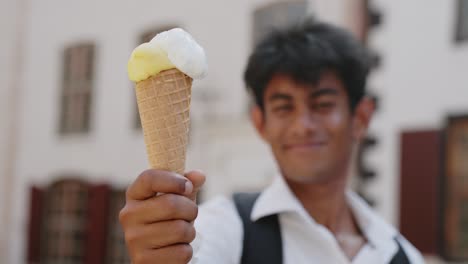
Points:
point(170, 49)
point(183, 51)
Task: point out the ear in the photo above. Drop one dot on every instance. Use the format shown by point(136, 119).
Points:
point(258, 120)
point(362, 116)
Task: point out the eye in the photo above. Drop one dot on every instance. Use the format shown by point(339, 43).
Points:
point(281, 109)
point(326, 104)
point(323, 106)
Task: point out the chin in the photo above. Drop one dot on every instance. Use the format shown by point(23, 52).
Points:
point(305, 176)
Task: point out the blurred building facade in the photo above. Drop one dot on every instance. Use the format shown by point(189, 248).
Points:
point(68, 109)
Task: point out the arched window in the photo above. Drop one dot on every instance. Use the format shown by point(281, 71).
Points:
point(65, 223)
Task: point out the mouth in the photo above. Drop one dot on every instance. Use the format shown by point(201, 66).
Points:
point(305, 146)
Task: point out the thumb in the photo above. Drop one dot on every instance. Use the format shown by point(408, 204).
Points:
point(198, 179)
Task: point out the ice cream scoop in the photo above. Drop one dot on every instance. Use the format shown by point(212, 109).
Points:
point(174, 48)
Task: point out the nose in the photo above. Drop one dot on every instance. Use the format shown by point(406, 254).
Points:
point(304, 123)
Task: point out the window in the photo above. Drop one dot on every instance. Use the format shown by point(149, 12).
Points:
point(277, 15)
point(63, 233)
point(77, 84)
point(455, 189)
point(461, 34)
point(72, 221)
point(146, 37)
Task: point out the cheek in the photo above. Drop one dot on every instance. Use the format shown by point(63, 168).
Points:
point(339, 124)
point(275, 131)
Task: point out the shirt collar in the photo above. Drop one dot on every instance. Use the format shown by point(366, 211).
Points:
point(377, 231)
point(275, 199)
point(278, 199)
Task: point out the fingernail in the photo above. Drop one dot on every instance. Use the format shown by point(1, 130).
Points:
point(188, 187)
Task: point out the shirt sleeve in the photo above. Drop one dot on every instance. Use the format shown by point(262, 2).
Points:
point(219, 233)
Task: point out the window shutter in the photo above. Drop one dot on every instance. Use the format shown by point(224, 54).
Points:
point(98, 208)
point(420, 168)
point(34, 229)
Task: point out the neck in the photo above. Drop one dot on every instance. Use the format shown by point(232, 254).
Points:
point(326, 203)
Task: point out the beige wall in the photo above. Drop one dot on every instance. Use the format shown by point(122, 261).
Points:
point(11, 30)
point(4, 58)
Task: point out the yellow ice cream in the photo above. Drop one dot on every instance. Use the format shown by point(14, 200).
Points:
point(147, 60)
point(170, 49)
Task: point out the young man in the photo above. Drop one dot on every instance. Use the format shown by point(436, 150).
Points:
point(308, 83)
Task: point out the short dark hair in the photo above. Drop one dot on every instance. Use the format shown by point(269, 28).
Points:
point(304, 51)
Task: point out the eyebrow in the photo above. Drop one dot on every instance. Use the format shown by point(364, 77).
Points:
point(280, 96)
point(323, 91)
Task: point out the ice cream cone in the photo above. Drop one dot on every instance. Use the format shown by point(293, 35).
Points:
point(163, 104)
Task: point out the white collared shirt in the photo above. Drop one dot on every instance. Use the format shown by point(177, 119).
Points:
point(220, 232)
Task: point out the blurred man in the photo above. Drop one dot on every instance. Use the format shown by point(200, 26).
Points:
point(308, 82)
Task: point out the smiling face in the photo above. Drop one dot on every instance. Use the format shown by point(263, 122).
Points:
point(310, 129)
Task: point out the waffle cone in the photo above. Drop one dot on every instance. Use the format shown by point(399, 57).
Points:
point(163, 104)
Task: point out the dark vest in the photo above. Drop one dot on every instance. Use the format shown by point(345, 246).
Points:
point(262, 238)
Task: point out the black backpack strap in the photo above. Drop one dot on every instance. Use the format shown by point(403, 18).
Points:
point(262, 238)
point(400, 257)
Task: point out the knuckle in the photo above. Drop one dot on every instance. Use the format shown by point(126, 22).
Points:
point(180, 229)
point(194, 212)
point(145, 177)
point(140, 258)
point(184, 231)
point(178, 226)
point(131, 238)
point(171, 203)
point(127, 192)
point(124, 215)
point(181, 185)
point(176, 206)
point(191, 234)
point(185, 252)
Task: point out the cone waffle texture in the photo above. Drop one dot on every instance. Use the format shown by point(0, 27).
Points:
point(163, 104)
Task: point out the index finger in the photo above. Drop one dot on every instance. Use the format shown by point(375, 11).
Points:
point(150, 182)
